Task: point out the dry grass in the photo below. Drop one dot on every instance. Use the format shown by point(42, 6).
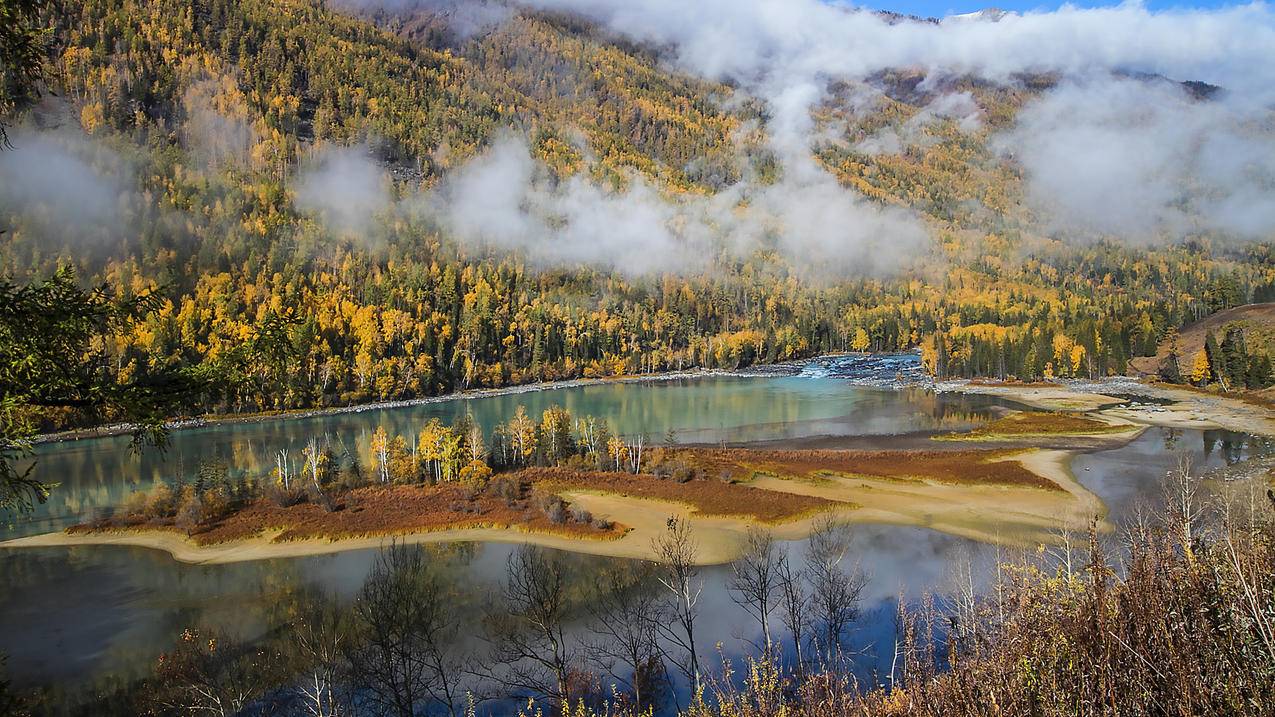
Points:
point(969, 467)
point(709, 497)
point(1036, 423)
point(718, 488)
point(368, 512)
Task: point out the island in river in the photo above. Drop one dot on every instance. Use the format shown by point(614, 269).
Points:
point(1004, 480)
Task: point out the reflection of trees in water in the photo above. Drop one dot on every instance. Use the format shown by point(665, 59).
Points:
point(419, 625)
point(1234, 447)
point(101, 473)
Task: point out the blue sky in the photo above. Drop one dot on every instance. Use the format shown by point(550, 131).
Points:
point(939, 8)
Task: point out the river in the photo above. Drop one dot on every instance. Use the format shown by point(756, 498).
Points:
point(94, 617)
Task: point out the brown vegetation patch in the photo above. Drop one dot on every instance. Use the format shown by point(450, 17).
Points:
point(708, 497)
point(369, 512)
point(1037, 423)
point(973, 467)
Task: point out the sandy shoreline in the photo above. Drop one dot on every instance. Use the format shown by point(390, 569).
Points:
point(987, 513)
point(1008, 515)
point(1187, 409)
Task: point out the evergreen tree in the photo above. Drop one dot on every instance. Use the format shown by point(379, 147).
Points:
point(1217, 373)
point(1235, 357)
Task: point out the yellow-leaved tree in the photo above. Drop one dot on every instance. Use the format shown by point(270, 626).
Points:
point(1200, 368)
point(860, 341)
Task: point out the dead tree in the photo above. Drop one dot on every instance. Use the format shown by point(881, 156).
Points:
point(754, 584)
point(531, 652)
point(1183, 507)
point(625, 612)
point(794, 608)
point(320, 639)
point(405, 617)
point(676, 552)
point(835, 585)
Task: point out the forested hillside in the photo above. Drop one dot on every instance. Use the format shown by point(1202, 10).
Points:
point(202, 123)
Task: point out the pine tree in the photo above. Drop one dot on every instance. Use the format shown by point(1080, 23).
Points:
point(1235, 357)
point(1169, 369)
point(1214, 354)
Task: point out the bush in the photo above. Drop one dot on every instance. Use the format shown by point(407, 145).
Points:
point(475, 474)
point(554, 508)
point(603, 524)
point(135, 504)
point(161, 502)
point(506, 489)
point(286, 497)
point(190, 508)
point(217, 503)
point(582, 516)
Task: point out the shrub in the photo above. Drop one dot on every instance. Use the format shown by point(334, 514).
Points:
point(506, 489)
point(554, 508)
point(602, 523)
point(286, 497)
point(582, 516)
point(217, 503)
point(190, 508)
point(135, 504)
point(161, 502)
point(475, 475)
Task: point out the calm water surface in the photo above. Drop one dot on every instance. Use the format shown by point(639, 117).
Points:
point(93, 616)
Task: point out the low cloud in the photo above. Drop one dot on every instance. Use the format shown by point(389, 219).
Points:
point(1142, 160)
point(216, 129)
point(345, 188)
point(73, 189)
point(504, 200)
point(463, 18)
point(958, 107)
point(1126, 168)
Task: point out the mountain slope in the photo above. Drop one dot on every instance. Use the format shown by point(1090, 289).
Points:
point(213, 136)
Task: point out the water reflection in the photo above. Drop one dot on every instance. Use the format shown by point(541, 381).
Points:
point(1130, 477)
point(91, 616)
point(83, 618)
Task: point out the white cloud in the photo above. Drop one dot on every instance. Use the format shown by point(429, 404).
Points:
point(1119, 167)
point(502, 199)
point(346, 188)
point(1143, 159)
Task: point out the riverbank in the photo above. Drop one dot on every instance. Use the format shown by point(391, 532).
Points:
point(477, 393)
point(1161, 405)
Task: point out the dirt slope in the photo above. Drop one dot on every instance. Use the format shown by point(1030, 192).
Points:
point(1191, 340)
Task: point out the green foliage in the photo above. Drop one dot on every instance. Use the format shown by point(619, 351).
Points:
point(22, 48)
point(52, 358)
